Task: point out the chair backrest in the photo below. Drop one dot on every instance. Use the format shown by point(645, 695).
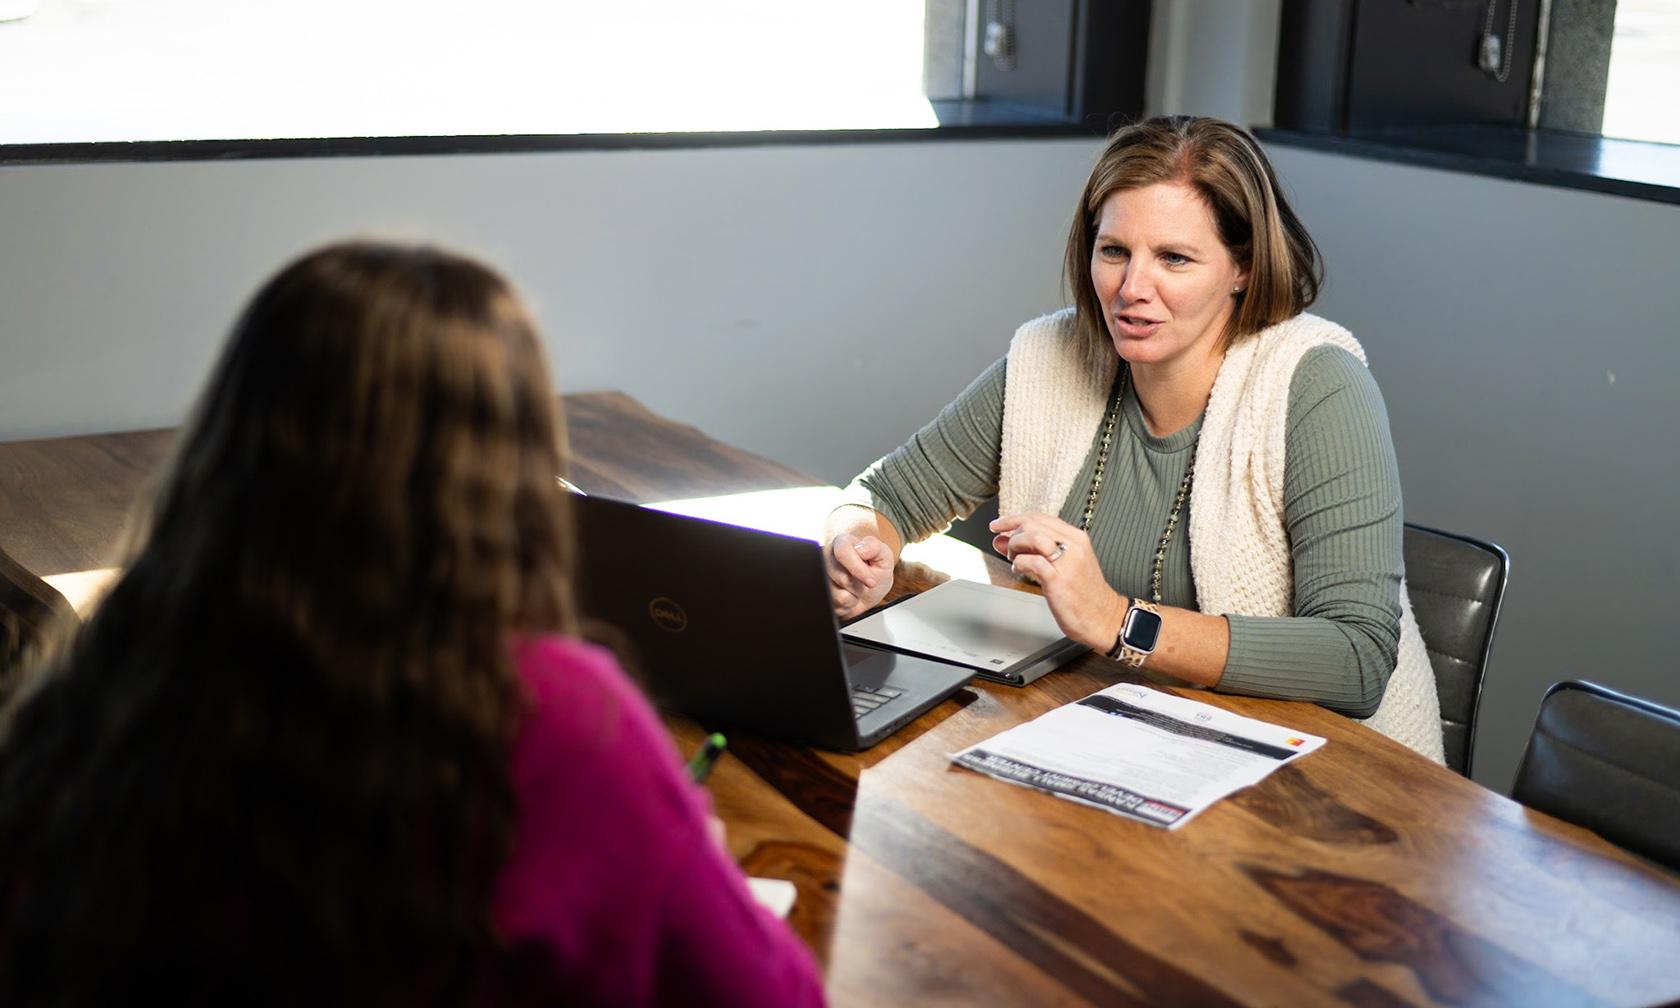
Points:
point(1456, 584)
point(1609, 762)
point(29, 607)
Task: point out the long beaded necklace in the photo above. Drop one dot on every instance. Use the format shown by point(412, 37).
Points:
point(1102, 464)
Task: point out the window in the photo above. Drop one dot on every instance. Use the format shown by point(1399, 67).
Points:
point(91, 71)
point(1567, 93)
point(1644, 75)
point(1346, 66)
point(237, 69)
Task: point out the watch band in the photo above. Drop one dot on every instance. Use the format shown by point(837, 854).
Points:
point(1124, 653)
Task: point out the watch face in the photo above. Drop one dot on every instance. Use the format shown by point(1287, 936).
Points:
point(1142, 629)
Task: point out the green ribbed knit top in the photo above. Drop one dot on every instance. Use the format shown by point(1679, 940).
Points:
point(1341, 511)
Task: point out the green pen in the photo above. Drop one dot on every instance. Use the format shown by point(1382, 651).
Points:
point(701, 764)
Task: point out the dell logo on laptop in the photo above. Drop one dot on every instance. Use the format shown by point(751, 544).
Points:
point(668, 615)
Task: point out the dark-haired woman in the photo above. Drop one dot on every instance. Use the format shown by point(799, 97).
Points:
point(327, 741)
point(1198, 472)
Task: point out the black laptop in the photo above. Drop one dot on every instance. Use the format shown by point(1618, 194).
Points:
point(733, 627)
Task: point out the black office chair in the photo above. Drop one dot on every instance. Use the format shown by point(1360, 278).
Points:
point(30, 610)
point(1456, 584)
point(1609, 762)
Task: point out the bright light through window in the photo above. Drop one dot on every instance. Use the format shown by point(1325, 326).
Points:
point(1642, 97)
point(92, 70)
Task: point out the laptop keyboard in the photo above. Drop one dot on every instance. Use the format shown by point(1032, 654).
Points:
point(865, 700)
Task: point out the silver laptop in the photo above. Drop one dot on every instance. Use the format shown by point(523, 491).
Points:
point(1005, 635)
point(733, 627)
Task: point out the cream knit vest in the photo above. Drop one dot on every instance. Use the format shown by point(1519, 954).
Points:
point(1239, 551)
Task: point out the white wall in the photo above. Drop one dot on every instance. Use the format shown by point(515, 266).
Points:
point(812, 303)
point(1527, 341)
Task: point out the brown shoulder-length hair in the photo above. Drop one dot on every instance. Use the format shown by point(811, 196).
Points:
point(273, 767)
point(1227, 167)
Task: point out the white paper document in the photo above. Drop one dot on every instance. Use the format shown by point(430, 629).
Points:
point(1140, 753)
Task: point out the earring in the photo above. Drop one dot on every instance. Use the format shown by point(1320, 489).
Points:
point(1236, 290)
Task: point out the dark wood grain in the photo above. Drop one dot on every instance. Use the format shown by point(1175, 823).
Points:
point(1292, 801)
point(1076, 947)
point(1381, 925)
point(64, 502)
point(820, 789)
point(1361, 875)
point(1363, 993)
point(621, 449)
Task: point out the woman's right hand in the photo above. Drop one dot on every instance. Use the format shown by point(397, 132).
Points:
point(860, 572)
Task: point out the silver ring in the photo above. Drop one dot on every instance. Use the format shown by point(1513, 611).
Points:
point(1061, 548)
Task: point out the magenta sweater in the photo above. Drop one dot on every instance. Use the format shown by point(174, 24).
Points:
point(612, 874)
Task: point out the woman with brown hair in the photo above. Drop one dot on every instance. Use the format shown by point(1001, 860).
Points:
point(1197, 472)
point(328, 740)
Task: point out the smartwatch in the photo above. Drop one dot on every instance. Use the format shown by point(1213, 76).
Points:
point(1139, 632)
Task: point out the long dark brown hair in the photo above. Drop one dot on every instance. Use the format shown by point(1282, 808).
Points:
point(272, 768)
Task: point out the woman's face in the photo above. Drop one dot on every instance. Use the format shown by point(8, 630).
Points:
point(1163, 276)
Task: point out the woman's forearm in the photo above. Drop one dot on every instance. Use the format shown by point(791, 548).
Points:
point(1192, 646)
point(860, 521)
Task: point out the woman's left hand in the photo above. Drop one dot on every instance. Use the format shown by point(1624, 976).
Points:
point(1059, 557)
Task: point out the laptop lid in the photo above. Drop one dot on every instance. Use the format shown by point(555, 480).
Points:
point(727, 625)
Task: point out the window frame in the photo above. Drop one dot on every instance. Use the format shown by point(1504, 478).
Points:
point(1566, 48)
point(1074, 93)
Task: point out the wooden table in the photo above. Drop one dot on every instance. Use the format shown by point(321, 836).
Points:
point(1361, 875)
